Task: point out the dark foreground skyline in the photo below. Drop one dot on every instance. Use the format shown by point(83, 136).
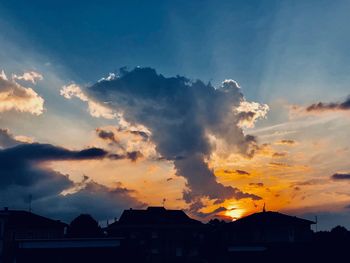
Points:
point(159, 235)
point(213, 108)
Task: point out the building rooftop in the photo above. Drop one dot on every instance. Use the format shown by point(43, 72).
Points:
point(271, 218)
point(156, 216)
point(25, 219)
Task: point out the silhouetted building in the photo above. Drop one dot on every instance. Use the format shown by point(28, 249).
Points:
point(84, 226)
point(17, 224)
point(160, 235)
point(270, 227)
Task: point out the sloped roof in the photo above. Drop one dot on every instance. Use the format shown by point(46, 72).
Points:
point(155, 216)
point(271, 218)
point(25, 219)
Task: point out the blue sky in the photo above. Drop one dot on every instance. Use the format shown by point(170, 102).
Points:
point(268, 46)
point(285, 54)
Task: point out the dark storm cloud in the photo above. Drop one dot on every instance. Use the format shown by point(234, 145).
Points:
point(332, 106)
point(46, 152)
point(180, 114)
point(341, 176)
point(19, 164)
point(21, 176)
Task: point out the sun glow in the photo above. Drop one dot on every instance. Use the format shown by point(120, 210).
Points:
point(234, 213)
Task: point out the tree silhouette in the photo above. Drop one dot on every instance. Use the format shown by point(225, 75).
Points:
point(84, 226)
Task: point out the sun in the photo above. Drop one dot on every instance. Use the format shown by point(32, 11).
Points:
point(234, 213)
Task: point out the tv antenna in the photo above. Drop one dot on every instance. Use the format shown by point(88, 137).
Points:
point(30, 202)
point(316, 221)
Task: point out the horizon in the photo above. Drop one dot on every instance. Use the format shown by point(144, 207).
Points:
point(215, 109)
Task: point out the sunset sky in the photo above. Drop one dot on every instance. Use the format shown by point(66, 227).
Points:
point(213, 108)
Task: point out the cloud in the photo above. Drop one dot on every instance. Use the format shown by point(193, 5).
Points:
point(22, 175)
point(93, 198)
point(215, 212)
point(19, 165)
point(181, 115)
point(133, 156)
point(7, 139)
point(250, 112)
point(286, 142)
point(311, 182)
point(131, 144)
point(30, 76)
point(279, 154)
point(278, 164)
point(242, 172)
point(96, 109)
point(341, 176)
point(332, 106)
point(257, 184)
point(106, 135)
point(13, 96)
point(121, 136)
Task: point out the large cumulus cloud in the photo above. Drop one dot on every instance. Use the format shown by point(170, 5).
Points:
point(185, 119)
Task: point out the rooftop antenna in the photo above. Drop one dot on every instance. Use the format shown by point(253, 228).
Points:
point(164, 199)
point(316, 222)
point(264, 208)
point(30, 203)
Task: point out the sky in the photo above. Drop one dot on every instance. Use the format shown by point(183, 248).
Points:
point(216, 108)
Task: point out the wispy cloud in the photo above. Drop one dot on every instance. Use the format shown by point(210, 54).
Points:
point(331, 106)
point(286, 142)
point(30, 76)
